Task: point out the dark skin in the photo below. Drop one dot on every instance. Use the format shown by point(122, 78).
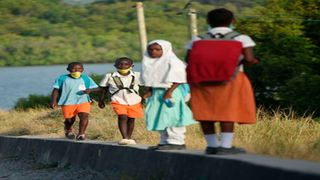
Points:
point(155, 51)
point(125, 123)
point(84, 117)
point(249, 59)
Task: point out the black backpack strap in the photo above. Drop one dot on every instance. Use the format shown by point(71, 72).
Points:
point(231, 35)
point(120, 85)
point(132, 84)
point(211, 36)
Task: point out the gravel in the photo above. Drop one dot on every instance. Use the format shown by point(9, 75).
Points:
point(16, 169)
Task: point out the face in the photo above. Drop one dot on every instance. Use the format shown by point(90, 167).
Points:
point(123, 64)
point(155, 50)
point(75, 68)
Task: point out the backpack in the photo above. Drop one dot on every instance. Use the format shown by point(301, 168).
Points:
point(214, 58)
point(120, 86)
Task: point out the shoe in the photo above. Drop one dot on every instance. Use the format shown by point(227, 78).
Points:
point(225, 151)
point(81, 137)
point(171, 147)
point(155, 147)
point(124, 142)
point(69, 134)
point(211, 150)
point(232, 150)
point(132, 141)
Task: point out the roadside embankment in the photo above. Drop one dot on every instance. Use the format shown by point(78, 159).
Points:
point(137, 162)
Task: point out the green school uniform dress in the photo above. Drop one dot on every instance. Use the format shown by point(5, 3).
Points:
point(160, 116)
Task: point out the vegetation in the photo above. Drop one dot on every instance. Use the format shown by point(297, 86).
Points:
point(279, 134)
point(44, 32)
point(55, 32)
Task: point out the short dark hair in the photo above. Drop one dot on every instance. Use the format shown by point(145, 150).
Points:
point(70, 65)
point(219, 17)
point(118, 60)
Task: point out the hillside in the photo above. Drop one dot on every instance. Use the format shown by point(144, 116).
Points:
point(45, 32)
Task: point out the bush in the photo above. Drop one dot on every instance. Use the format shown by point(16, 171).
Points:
point(33, 101)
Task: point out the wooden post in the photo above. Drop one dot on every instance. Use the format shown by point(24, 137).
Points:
point(192, 13)
point(142, 27)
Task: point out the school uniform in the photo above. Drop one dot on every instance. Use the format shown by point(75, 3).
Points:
point(230, 102)
point(72, 100)
point(160, 74)
point(125, 101)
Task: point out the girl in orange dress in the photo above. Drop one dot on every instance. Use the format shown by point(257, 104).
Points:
point(228, 103)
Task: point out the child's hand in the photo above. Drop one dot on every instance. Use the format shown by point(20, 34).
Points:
point(167, 95)
point(53, 105)
point(87, 91)
point(101, 104)
point(147, 95)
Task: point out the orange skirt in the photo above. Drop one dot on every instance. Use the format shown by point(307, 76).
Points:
point(231, 102)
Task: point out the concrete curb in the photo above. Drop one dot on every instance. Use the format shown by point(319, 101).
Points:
point(140, 163)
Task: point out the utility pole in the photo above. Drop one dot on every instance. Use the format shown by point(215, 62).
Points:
point(192, 13)
point(142, 27)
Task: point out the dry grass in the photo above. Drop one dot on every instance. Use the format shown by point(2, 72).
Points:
point(278, 134)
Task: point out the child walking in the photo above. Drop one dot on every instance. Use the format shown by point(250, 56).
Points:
point(123, 86)
point(227, 103)
point(69, 92)
point(166, 109)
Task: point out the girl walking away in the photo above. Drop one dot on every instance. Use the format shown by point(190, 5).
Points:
point(69, 91)
point(166, 109)
point(229, 101)
point(123, 86)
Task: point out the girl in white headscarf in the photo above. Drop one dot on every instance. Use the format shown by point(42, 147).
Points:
point(166, 109)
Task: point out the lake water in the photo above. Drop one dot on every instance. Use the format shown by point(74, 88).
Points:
point(20, 82)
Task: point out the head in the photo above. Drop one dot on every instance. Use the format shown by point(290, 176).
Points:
point(123, 65)
point(155, 50)
point(75, 69)
point(220, 18)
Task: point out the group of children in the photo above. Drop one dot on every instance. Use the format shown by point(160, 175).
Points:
point(164, 75)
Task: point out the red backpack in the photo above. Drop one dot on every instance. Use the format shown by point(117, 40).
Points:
point(214, 58)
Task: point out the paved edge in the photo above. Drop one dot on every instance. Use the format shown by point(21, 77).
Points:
point(140, 163)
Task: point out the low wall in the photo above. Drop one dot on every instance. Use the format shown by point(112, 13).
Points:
point(139, 163)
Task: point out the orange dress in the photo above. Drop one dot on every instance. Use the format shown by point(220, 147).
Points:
point(230, 102)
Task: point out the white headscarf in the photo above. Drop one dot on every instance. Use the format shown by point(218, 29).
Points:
point(162, 72)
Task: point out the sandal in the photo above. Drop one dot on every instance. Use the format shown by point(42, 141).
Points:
point(81, 137)
point(69, 134)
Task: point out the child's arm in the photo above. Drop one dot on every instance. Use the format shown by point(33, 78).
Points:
point(54, 98)
point(147, 94)
point(168, 93)
point(103, 93)
point(249, 58)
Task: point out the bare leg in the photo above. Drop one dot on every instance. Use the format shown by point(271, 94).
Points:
point(207, 127)
point(122, 125)
point(68, 123)
point(130, 126)
point(84, 119)
point(227, 126)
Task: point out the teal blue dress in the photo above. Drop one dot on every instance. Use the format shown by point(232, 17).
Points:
point(160, 116)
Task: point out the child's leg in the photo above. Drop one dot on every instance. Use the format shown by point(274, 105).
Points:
point(130, 127)
point(68, 122)
point(123, 126)
point(209, 132)
point(84, 119)
point(227, 134)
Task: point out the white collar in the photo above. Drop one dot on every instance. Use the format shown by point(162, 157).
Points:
point(222, 30)
point(117, 74)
